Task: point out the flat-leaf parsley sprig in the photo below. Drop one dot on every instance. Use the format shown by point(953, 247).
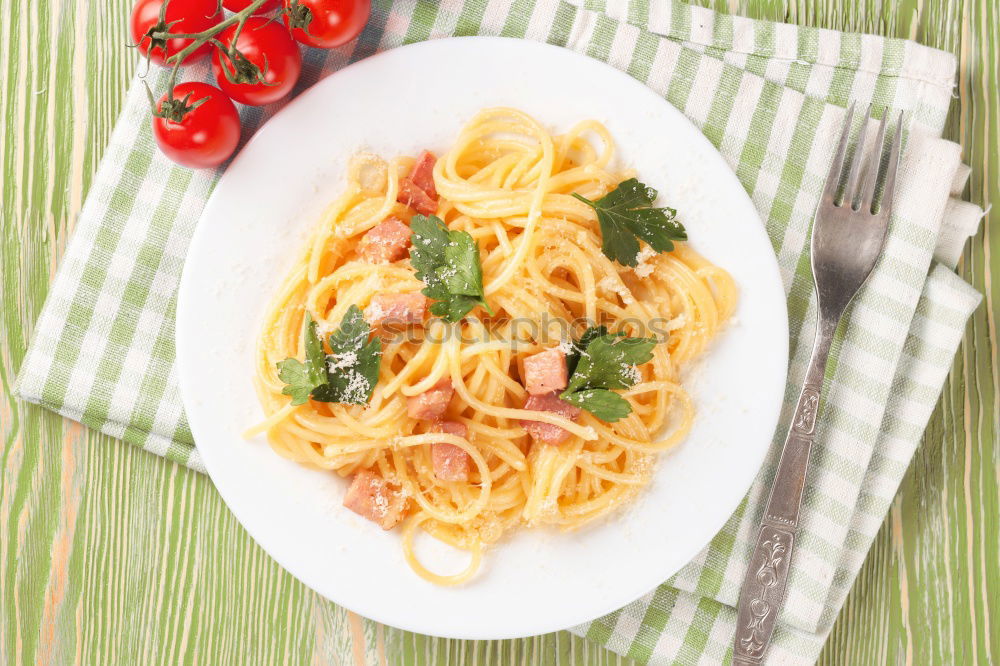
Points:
point(627, 215)
point(347, 374)
point(448, 263)
point(600, 363)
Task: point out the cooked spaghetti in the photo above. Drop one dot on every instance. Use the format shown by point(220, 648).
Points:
point(456, 460)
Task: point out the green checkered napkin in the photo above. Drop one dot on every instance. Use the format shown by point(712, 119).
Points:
point(771, 98)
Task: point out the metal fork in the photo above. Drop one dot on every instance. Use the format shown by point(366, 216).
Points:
point(847, 238)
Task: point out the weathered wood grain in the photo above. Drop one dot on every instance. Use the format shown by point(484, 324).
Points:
point(111, 555)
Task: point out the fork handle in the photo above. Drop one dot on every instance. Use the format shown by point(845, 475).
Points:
point(767, 574)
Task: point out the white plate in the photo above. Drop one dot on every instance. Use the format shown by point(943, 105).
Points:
point(252, 229)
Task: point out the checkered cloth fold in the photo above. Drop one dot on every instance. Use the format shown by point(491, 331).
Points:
point(771, 97)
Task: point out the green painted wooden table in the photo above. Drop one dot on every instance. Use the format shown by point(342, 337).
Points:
point(104, 558)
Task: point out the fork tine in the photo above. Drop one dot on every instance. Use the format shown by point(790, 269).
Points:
point(850, 190)
point(890, 170)
point(833, 177)
point(871, 177)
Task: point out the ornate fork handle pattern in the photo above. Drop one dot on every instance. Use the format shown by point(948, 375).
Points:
point(764, 586)
point(770, 566)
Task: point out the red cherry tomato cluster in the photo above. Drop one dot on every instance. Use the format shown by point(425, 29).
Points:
point(255, 58)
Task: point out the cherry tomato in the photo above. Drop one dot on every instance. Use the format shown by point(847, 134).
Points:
point(326, 23)
point(201, 131)
point(240, 5)
point(267, 45)
point(191, 16)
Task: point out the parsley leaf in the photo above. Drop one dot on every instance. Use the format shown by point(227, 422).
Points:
point(301, 378)
point(448, 263)
point(605, 361)
point(627, 215)
point(577, 346)
point(352, 367)
point(602, 403)
point(347, 375)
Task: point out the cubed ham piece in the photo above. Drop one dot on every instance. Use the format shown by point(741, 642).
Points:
point(371, 496)
point(386, 242)
point(451, 463)
point(545, 372)
point(422, 173)
point(546, 432)
point(432, 403)
point(414, 197)
point(407, 308)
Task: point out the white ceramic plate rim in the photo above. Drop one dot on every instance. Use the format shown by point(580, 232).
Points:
point(464, 612)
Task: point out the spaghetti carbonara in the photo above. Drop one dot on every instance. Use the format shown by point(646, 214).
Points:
point(449, 311)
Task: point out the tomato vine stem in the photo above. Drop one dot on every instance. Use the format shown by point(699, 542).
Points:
point(201, 38)
point(176, 109)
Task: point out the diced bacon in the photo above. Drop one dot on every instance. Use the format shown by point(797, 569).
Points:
point(371, 496)
point(414, 197)
point(406, 308)
point(386, 242)
point(545, 372)
point(451, 427)
point(422, 173)
point(432, 403)
point(451, 463)
point(546, 432)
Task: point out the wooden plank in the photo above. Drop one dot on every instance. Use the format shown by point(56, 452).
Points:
point(108, 554)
